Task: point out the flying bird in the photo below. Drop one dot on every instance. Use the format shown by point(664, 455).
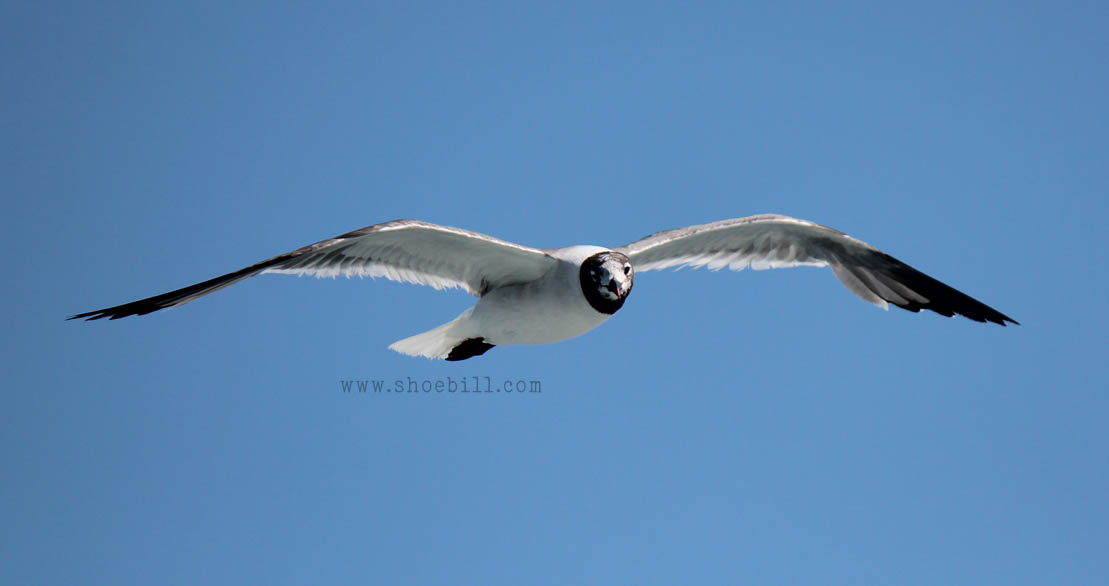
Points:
point(542, 295)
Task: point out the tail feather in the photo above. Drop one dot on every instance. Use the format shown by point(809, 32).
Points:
point(437, 342)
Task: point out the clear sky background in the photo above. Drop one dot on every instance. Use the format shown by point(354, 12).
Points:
point(723, 428)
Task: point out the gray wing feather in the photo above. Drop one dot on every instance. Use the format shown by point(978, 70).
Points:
point(775, 241)
point(402, 250)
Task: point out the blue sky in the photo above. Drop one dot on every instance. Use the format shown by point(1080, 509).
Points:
point(755, 427)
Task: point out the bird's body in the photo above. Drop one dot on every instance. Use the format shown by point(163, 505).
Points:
point(549, 309)
point(538, 296)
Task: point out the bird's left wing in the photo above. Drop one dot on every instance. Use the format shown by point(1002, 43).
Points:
point(402, 250)
point(773, 241)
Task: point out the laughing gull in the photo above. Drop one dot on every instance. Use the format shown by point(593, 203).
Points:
point(541, 295)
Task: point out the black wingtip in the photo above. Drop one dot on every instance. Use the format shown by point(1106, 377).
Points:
point(87, 316)
point(940, 297)
point(178, 296)
point(995, 317)
point(110, 313)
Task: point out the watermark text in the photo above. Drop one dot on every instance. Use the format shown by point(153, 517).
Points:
point(468, 385)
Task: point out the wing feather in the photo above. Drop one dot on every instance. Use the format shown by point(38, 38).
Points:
point(774, 241)
point(402, 250)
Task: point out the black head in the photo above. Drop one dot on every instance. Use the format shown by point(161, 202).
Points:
point(606, 280)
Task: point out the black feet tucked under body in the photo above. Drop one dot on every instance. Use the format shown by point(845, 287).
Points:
point(469, 348)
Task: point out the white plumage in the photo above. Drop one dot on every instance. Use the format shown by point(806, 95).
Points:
point(536, 296)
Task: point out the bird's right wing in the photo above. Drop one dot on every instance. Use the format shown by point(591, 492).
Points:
point(402, 250)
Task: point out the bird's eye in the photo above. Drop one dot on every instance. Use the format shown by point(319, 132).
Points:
point(627, 269)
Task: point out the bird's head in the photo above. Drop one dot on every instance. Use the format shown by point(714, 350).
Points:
point(606, 280)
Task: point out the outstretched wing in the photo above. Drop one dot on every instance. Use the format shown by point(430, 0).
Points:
point(401, 250)
point(773, 241)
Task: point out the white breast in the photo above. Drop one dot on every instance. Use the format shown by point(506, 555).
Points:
point(544, 311)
